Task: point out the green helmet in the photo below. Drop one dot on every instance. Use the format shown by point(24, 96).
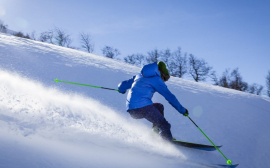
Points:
point(164, 71)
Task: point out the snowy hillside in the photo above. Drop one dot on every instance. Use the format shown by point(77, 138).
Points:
point(49, 124)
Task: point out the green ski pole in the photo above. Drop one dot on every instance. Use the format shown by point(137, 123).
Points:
point(228, 161)
point(56, 80)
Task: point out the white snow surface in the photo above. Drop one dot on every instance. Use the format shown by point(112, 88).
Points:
point(58, 125)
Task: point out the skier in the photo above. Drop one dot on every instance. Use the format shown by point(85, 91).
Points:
point(142, 87)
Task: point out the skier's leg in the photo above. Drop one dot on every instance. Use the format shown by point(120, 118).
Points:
point(160, 108)
point(154, 116)
point(136, 113)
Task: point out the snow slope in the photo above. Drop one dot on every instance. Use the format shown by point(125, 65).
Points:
point(48, 124)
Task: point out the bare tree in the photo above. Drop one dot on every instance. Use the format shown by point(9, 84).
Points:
point(237, 82)
point(3, 27)
point(199, 69)
point(268, 83)
point(255, 89)
point(178, 64)
point(33, 35)
point(214, 77)
point(68, 43)
point(20, 34)
point(153, 56)
point(87, 42)
point(46, 37)
point(224, 81)
point(61, 38)
point(135, 59)
point(110, 52)
point(166, 56)
point(139, 59)
point(27, 36)
point(130, 59)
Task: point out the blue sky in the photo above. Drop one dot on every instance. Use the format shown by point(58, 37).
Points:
point(226, 33)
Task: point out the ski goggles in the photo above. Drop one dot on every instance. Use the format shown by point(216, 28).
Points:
point(165, 76)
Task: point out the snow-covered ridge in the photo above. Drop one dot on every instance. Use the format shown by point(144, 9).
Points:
point(73, 57)
point(70, 55)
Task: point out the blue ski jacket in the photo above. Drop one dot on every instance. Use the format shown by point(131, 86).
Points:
point(144, 85)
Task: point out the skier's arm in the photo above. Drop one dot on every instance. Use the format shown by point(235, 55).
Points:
point(125, 85)
point(162, 89)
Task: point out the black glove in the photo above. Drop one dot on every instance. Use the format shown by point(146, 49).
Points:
point(122, 92)
point(186, 113)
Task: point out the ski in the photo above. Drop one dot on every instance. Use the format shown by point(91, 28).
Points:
point(219, 165)
point(195, 145)
point(227, 166)
point(212, 165)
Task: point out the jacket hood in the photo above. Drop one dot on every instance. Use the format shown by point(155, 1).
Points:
point(150, 70)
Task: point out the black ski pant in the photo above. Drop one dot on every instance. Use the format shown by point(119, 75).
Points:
point(153, 113)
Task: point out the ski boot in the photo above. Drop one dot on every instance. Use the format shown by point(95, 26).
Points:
point(155, 129)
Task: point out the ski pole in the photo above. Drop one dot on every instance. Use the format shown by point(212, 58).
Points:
point(228, 161)
point(56, 80)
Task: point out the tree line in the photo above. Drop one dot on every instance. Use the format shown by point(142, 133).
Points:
point(179, 64)
point(182, 64)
